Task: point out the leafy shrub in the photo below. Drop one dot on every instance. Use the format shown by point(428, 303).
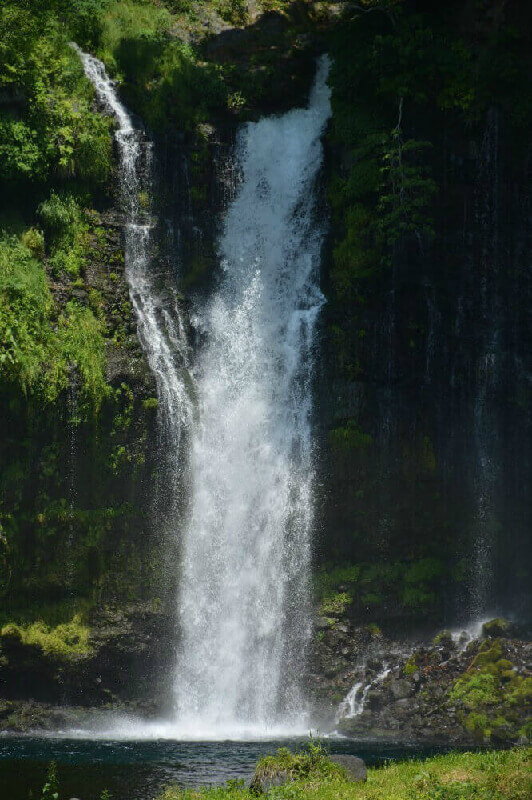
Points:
point(81, 342)
point(58, 214)
point(50, 128)
point(50, 790)
point(335, 604)
point(311, 762)
point(37, 349)
point(34, 241)
point(25, 310)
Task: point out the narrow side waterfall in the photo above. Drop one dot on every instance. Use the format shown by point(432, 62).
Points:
point(160, 327)
point(244, 587)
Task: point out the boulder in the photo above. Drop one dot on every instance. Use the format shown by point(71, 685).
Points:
point(444, 639)
point(354, 767)
point(498, 628)
point(400, 688)
point(260, 784)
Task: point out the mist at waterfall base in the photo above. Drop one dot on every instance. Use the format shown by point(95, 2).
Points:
point(244, 604)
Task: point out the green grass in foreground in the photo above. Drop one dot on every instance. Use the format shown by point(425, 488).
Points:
point(494, 775)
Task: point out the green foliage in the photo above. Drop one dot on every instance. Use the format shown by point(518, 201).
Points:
point(350, 437)
point(411, 584)
point(25, 315)
point(51, 614)
point(37, 348)
point(233, 11)
point(131, 20)
point(405, 192)
point(65, 641)
point(497, 627)
point(479, 689)
point(47, 126)
point(494, 697)
point(34, 241)
point(417, 578)
point(335, 604)
point(162, 77)
point(81, 342)
point(389, 68)
point(50, 790)
point(385, 195)
point(499, 775)
point(327, 579)
point(411, 666)
point(150, 404)
point(59, 215)
point(66, 230)
point(443, 637)
point(310, 763)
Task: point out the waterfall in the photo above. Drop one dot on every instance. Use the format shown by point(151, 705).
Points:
point(354, 702)
point(159, 324)
point(243, 602)
point(487, 379)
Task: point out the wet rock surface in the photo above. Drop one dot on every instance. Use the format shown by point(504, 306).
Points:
point(128, 665)
point(407, 689)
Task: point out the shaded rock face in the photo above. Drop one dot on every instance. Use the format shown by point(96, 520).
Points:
point(431, 370)
point(130, 661)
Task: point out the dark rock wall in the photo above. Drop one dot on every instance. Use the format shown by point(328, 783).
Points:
point(441, 395)
point(73, 495)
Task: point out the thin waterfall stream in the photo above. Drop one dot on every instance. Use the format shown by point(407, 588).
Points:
point(243, 605)
point(161, 331)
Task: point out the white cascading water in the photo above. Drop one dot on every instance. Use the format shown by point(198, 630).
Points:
point(160, 328)
point(244, 586)
point(355, 700)
point(243, 603)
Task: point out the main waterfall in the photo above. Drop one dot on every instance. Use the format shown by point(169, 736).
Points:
point(243, 602)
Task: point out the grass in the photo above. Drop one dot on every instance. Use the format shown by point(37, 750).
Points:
point(493, 775)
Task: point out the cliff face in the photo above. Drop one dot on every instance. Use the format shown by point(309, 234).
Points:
point(423, 401)
point(425, 392)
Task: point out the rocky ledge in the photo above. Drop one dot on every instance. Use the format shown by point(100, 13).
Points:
point(458, 688)
point(121, 659)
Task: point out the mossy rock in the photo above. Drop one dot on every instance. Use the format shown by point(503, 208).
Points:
point(443, 639)
point(499, 628)
point(311, 763)
point(11, 634)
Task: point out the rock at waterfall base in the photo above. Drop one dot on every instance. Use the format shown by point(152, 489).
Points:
point(261, 784)
point(354, 767)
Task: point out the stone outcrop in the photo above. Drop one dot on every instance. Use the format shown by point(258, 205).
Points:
point(453, 689)
point(128, 664)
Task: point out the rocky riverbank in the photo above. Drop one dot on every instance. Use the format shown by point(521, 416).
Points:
point(459, 687)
